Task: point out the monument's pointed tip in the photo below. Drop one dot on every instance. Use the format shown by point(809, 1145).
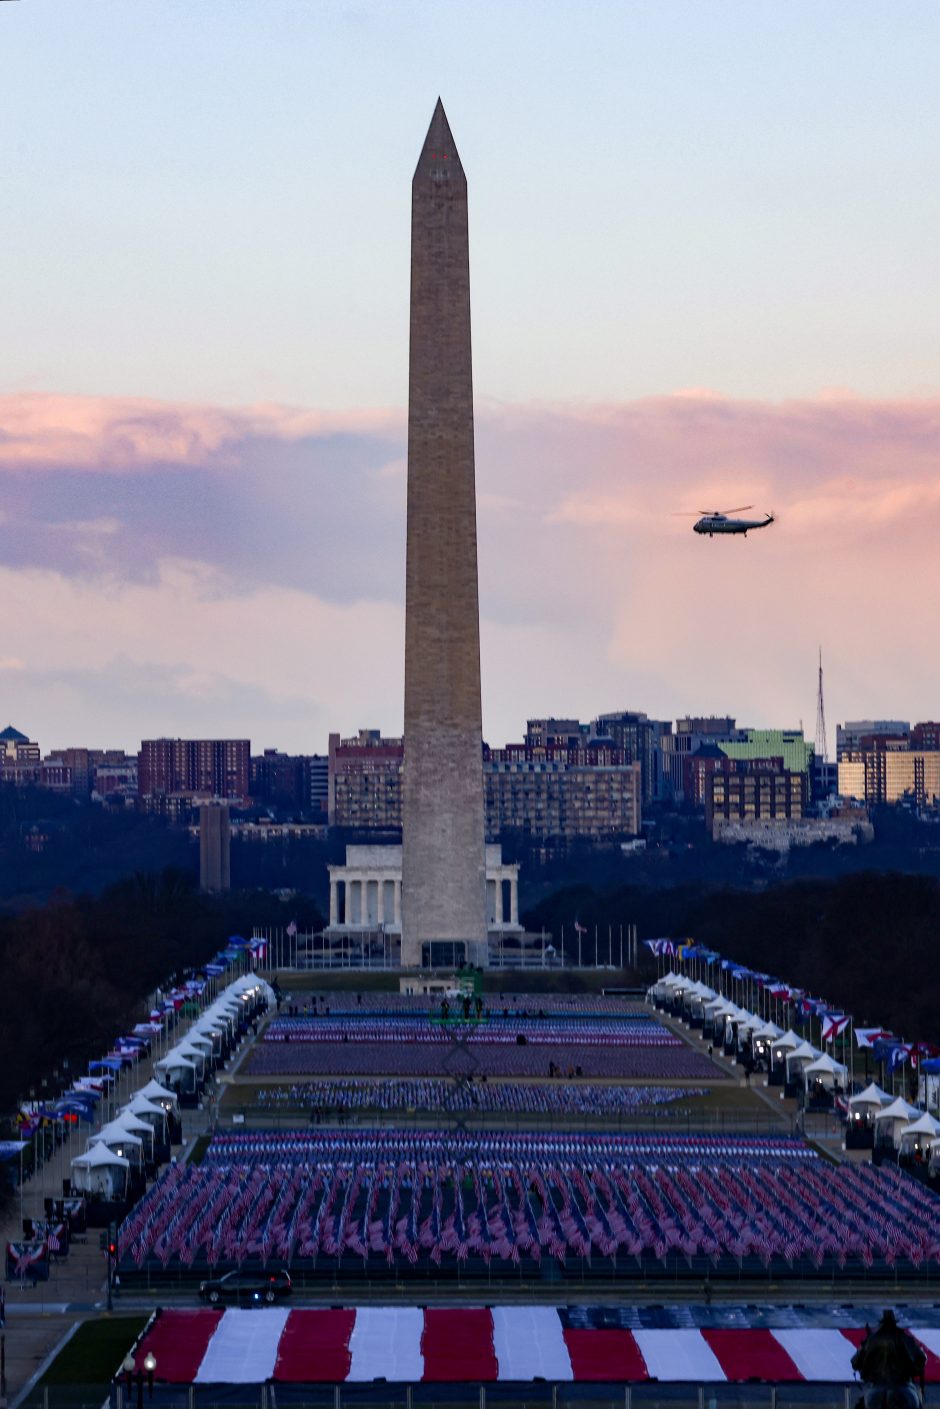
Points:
point(439, 144)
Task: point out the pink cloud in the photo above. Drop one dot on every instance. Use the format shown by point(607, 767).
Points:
point(593, 595)
point(122, 434)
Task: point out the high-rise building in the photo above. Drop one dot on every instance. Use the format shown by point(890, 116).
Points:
point(97, 772)
point(676, 749)
point(80, 763)
point(754, 789)
point(884, 775)
point(556, 733)
point(174, 768)
point(639, 740)
point(582, 790)
point(296, 783)
point(789, 744)
point(364, 782)
point(556, 795)
point(925, 736)
point(443, 859)
point(850, 734)
point(19, 758)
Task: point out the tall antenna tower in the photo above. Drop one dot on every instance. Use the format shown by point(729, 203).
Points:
point(822, 748)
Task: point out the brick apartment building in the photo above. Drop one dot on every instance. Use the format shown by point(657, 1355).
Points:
point(192, 768)
point(563, 787)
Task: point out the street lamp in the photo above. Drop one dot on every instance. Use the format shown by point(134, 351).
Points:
point(133, 1375)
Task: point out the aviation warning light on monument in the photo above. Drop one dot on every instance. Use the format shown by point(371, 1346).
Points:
point(712, 521)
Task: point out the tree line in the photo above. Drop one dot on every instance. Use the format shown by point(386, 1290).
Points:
point(867, 942)
point(77, 969)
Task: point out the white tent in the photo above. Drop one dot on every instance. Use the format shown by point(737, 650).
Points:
point(178, 1069)
point(769, 1032)
point(891, 1120)
point(198, 1056)
point(872, 1096)
point(120, 1141)
point(150, 1111)
point(175, 1060)
point(827, 1071)
point(153, 1091)
point(141, 1106)
point(783, 1046)
point(918, 1139)
point(925, 1124)
point(799, 1058)
point(213, 1030)
point(100, 1171)
point(899, 1109)
point(134, 1125)
point(201, 1040)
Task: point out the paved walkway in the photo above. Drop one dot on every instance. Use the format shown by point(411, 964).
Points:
point(39, 1316)
point(826, 1134)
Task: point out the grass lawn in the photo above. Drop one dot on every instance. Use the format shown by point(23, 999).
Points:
point(199, 1149)
point(338, 981)
point(494, 981)
point(95, 1352)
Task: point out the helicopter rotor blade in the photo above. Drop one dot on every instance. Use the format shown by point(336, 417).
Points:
point(740, 509)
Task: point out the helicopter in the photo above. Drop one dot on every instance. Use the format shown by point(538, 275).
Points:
point(712, 521)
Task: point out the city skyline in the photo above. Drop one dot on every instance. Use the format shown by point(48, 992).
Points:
point(202, 423)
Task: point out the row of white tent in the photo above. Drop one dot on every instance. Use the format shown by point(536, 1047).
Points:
point(909, 1131)
point(130, 1140)
point(802, 1059)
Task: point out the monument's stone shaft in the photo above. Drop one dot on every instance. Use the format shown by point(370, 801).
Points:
point(443, 860)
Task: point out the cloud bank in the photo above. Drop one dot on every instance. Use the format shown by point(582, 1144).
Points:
point(202, 569)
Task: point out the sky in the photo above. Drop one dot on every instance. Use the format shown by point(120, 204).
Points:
point(704, 266)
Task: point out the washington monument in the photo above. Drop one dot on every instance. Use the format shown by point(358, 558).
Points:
point(443, 860)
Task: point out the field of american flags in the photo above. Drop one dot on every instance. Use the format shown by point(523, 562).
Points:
point(431, 1204)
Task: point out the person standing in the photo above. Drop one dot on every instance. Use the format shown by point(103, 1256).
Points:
point(889, 1361)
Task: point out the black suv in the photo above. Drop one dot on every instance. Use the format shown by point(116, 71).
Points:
point(246, 1286)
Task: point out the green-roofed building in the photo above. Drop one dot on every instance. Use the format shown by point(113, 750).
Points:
point(788, 744)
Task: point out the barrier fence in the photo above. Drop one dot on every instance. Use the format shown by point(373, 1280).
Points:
point(443, 1396)
point(688, 1120)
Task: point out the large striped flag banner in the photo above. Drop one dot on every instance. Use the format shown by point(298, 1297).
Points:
point(519, 1343)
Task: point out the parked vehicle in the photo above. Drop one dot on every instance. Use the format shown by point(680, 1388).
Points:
point(246, 1287)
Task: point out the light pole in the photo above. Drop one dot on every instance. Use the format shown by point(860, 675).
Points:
point(133, 1375)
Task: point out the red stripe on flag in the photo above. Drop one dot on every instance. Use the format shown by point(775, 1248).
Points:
point(178, 1340)
point(855, 1334)
point(458, 1345)
point(932, 1368)
point(608, 1355)
point(753, 1354)
point(314, 1347)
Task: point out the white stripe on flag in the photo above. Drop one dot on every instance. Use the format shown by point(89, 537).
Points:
point(929, 1336)
point(386, 1343)
point(530, 1341)
point(819, 1354)
point(243, 1350)
point(679, 1355)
